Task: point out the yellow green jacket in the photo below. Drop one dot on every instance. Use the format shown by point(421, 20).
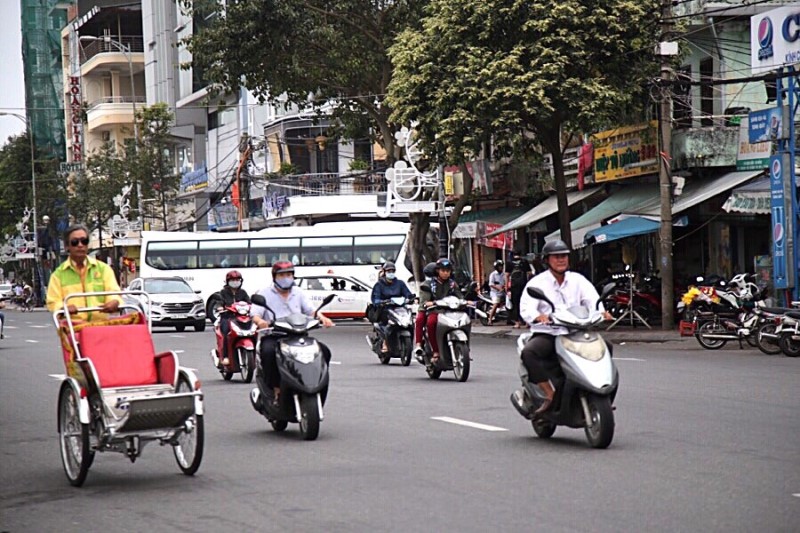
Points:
point(66, 280)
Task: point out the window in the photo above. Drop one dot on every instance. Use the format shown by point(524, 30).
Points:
point(266, 252)
point(706, 92)
point(327, 251)
point(682, 107)
point(377, 250)
point(172, 255)
point(223, 254)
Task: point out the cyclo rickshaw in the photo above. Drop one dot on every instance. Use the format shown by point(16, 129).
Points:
point(118, 394)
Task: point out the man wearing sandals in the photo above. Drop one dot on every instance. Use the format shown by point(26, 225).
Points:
point(81, 273)
point(565, 289)
point(441, 285)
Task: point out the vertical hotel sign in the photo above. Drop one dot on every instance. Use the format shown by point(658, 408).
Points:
point(782, 223)
point(76, 119)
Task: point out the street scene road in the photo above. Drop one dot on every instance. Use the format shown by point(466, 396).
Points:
point(705, 441)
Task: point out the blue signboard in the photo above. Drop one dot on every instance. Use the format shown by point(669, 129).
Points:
point(765, 125)
point(779, 223)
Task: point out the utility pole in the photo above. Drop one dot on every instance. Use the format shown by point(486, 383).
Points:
point(664, 174)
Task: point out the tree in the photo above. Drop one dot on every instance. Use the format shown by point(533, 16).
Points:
point(92, 201)
point(506, 69)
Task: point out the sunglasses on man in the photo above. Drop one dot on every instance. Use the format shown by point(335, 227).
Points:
point(83, 240)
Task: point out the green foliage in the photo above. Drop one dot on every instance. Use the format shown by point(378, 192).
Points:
point(287, 169)
point(307, 52)
point(92, 201)
point(359, 164)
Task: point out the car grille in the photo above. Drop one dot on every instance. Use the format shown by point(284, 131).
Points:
point(177, 308)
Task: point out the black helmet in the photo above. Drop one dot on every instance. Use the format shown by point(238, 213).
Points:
point(555, 247)
point(498, 263)
point(388, 265)
point(444, 263)
point(430, 270)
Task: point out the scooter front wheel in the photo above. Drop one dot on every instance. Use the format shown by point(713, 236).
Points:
point(309, 417)
point(600, 427)
point(405, 351)
point(544, 429)
point(461, 362)
point(248, 364)
point(710, 328)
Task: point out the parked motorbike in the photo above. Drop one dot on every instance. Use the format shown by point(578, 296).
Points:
point(788, 333)
point(452, 335)
point(303, 371)
point(398, 332)
point(585, 392)
point(485, 304)
point(241, 344)
point(768, 333)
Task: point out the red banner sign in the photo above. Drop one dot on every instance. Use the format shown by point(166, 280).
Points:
point(76, 120)
point(500, 241)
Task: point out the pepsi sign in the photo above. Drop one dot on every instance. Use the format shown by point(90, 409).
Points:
point(775, 39)
point(765, 50)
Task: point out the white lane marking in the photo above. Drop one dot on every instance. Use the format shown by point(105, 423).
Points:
point(10, 327)
point(178, 336)
point(796, 494)
point(467, 423)
point(38, 326)
point(31, 341)
point(336, 362)
point(628, 359)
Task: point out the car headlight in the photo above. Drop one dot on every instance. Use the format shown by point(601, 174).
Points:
point(304, 354)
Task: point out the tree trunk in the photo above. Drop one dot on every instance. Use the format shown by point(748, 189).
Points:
point(417, 245)
point(551, 140)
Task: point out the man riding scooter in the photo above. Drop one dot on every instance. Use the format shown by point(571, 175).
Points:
point(230, 294)
point(387, 287)
point(284, 299)
point(565, 289)
point(441, 285)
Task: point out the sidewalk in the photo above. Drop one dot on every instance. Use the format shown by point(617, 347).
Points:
point(618, 335)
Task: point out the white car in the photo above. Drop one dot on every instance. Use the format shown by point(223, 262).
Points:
point(6, 291)
point(352, 295)
point(175, 304)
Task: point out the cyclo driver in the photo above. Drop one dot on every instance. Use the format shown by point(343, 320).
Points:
point(565, 289)
point(284, 299)
point(440, 286)
point(231, 293)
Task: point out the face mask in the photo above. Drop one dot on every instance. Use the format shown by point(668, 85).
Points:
point(285, 283)
point(391, 275)
point(234, 284)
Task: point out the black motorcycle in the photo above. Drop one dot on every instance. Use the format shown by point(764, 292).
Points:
point(398, 332)
point(303, 371)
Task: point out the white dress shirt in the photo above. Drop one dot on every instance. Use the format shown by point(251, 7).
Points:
point(575, 290)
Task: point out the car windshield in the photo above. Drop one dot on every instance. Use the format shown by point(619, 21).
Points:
point(162, 286)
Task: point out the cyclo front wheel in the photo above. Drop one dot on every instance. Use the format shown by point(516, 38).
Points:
point(188, 446)
point(73, 437)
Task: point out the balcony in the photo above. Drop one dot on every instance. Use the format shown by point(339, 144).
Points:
point(102, 56)
point(328, 185)
point(705, 147)
point(111, 111)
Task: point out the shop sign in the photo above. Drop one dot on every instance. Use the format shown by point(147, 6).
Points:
point(625, 152)
point(766, 125)
point(76, 118)
point(465, 230)
point(775, 39)
point(751, 156)
point(503, 241)
point(782, 226)
point(195, 180)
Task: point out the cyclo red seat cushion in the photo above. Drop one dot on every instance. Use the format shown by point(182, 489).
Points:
point(123, 355)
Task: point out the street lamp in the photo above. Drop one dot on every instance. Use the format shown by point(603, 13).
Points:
point(26, 120)
point(125, 49)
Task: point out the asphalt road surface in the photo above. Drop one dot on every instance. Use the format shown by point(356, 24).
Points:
point(705, 441)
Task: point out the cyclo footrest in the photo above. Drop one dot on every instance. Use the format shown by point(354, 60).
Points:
point(158, 412)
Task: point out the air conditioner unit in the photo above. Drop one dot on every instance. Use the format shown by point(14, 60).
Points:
point(106, 136)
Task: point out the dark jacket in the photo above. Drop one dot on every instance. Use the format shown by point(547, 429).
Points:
point(383, 290)
point(439, 290)
point(230, 296)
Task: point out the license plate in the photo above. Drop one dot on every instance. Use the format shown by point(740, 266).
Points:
point(177, 316)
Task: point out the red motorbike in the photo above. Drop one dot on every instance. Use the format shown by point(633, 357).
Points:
point(241, 343)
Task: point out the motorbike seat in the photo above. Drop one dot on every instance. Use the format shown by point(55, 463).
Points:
point(793, 314)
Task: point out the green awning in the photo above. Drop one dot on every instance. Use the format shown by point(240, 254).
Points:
point(496, 216)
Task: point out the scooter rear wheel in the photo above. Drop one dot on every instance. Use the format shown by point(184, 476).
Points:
point(709, 328)
point(789, 347)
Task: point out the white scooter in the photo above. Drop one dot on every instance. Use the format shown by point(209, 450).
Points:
point(586, 391)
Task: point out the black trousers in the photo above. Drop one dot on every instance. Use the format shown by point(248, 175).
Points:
point(225, 328)
point(539, 358)
point(269, 363)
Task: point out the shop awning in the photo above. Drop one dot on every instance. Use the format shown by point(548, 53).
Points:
point(627, 227)
point(752, 199)
point(544, 209)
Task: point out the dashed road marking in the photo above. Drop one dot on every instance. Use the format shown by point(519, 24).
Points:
point(32, 341)
point(628, 359)
point(336, 362)
point(796, 494)
point(38, 326)
point(178, 336)
point(467, 423)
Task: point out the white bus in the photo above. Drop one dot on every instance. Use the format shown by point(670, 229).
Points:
point(353, 249)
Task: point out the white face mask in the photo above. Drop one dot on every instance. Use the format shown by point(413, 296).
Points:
point(234, 284)
point(390, 276)
point(285, 283)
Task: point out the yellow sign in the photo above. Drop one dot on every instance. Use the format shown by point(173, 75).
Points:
point(449, 190)
point(625, 152)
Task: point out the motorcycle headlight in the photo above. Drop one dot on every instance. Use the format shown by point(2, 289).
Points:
point(591, 351)
point(304, 354)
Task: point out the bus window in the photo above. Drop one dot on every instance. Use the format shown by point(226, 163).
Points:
point(223, 254)
point(377, 250)
point(176, 255)
point(327, 251)
point(266, 252)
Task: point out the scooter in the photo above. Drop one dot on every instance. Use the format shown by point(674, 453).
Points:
point(585, 393)
point(303, 371)
point(398, 332)
point(452, 335)
point(241, 341)
point(485, 304)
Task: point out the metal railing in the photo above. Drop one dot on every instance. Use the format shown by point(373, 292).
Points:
point(116, 100)
point(134, 43)
point(328, 184)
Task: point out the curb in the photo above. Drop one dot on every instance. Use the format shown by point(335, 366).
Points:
point(618, 337)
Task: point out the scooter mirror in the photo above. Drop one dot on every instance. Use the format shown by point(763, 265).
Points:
point(258, 300)
point(535, 292)
point(328, 299)
point(425, 288)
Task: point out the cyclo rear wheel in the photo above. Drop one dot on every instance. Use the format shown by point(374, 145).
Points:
point(188, 447)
